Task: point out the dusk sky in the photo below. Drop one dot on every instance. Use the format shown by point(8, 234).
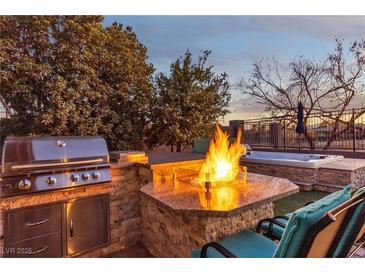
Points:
point(237, 41)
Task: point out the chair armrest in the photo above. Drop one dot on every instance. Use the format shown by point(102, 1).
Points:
point(271, 223)
point(281, 217)
point(309, 203)
point(221, 249)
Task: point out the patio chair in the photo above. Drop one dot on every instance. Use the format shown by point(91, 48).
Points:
point(359, 242)
point(201, 146)
point(351, 237)
point(274, 227)
point(317, 230)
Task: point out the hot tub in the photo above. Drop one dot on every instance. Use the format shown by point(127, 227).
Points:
point(289, 159)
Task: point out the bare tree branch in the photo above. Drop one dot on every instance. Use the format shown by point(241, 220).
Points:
point(324, 86)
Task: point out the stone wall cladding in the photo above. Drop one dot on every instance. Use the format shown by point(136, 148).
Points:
point(326, 188)
point(124, 205)
point(335, 177)
point(166, 170)
point(307, 175)
point(167, 234)
point(358, 177)
point(323, 179)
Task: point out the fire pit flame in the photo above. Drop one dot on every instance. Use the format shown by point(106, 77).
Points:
point(221, 165)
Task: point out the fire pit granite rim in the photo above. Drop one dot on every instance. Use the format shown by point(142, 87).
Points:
point(214, 213)
point(145, 192)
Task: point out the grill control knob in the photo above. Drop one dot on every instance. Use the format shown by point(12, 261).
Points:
point(75, 177)
point(86, 175)
point(24, 184)
point(96, 175)
point(51, 181)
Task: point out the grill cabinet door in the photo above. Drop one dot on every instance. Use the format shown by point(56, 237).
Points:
point(87, 224)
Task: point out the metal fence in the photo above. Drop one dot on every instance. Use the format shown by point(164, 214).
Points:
point(332, 130)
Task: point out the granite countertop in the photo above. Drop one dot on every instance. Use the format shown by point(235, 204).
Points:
point(158, 158)
point(172, 157)
point(226, 201)
point(345, 164)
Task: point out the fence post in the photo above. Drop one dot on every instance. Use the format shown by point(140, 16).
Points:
point(234, 126)
point(284, 134)
point(353, 131)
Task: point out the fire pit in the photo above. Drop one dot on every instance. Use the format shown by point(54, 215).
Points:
point(212, 196)
point(187, 205)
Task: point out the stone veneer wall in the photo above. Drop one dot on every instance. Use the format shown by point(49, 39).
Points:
point(358, 177)
point(166, 170)
point(306, 175)
point(167, 234)
point(125, 221)
point(323, 179)
point(327, 177)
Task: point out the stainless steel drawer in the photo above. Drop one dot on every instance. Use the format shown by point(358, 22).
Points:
point(48, 246)
point(32, 222)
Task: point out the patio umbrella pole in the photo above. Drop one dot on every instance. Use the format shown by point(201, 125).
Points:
point(300, 121)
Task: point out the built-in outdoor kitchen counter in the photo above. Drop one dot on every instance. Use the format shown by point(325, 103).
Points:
point(124, 216)
point(178, 217)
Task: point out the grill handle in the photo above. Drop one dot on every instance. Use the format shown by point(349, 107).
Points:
point(37, 223)
point(51, 165)
point(39, 250)
point(71, 228)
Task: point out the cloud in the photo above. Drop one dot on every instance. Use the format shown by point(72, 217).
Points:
point(237, 41)
point(239, 38)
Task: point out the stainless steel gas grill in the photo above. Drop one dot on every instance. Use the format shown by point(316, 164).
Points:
point(36, 164)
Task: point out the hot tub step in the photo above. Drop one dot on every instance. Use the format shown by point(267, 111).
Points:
point(306, 186)
point(327, 187)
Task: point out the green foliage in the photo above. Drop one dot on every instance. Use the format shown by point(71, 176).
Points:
point(187, 102)
point(69, 75)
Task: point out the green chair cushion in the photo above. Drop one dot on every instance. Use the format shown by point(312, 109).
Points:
point(350, 228)
point(303, 218)
point(245, 244)
point(201, 146)
point(278, 231)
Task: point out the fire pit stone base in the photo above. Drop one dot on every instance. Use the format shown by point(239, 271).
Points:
point(166, 233)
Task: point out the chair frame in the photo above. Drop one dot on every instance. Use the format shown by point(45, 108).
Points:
point(358, 225)
point(218, 247)
point(271, 221)
point(358, 245)
point(325, 221)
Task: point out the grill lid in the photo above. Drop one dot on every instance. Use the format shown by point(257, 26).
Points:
point(34, 153)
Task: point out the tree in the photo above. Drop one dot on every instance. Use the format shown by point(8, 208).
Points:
point(327, 87)
point(70, 75)
point(187, 102)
